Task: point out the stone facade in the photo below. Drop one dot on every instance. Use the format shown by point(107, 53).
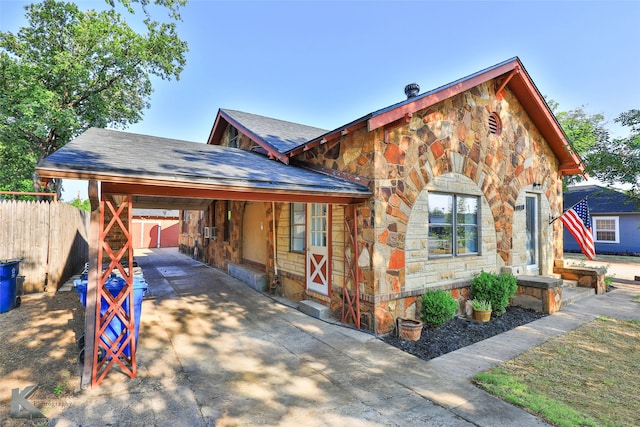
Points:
point(450, 147)
point(447, 147)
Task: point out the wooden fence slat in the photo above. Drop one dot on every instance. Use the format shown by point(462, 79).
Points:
point(50, 237)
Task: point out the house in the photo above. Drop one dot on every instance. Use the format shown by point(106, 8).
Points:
point(462, 179)
point(362, 219)
point(615, 220)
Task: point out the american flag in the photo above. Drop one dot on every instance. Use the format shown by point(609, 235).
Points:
point(578, 221)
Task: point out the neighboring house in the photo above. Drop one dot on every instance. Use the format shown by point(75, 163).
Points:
point(615, 220)
point(462, 179)
point(155, 228)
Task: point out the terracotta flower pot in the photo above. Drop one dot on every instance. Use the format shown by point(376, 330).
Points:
point(481, 315)
point(409, 329)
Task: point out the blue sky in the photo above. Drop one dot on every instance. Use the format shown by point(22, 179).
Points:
point(327, 63)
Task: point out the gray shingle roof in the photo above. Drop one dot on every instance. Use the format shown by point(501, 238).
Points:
point(601, 200)
point(282, 135)
point(109, 155)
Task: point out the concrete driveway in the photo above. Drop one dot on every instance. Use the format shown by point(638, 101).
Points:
point(212, 351)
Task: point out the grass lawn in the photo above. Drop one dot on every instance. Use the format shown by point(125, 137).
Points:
point(587, 377)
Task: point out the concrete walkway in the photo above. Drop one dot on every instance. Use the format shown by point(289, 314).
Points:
point(214, 352)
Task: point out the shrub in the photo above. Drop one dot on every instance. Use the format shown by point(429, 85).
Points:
point(437, 307)
point(494, 288)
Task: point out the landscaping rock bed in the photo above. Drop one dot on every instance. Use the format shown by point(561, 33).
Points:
point(460, 332)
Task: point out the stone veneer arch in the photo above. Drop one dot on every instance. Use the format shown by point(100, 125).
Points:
point(422, 272)
point(453, 137)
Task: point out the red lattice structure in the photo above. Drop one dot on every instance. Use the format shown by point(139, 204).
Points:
point(109, 349)
point(351, 285)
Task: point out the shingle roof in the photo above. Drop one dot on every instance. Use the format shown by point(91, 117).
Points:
point(283, 139)
point(115, 156)
point(282, 135)
point(601, 200)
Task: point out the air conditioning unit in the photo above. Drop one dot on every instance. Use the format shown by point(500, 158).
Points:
point(213, 233)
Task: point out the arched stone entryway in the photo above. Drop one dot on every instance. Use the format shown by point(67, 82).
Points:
point(423, 272)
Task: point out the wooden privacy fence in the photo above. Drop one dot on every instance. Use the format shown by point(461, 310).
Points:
point(51, 238)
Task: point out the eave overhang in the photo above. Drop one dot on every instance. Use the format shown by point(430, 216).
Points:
point(151, 167)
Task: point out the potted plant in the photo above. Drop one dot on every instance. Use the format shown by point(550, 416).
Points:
point(409, 329)
point(481, 310)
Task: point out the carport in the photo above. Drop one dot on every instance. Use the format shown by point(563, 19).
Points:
point(128, 170)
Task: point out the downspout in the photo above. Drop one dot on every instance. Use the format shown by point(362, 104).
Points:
point(275, 240)
point(276, 279)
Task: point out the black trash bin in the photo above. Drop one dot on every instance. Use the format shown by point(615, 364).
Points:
point(9, 270)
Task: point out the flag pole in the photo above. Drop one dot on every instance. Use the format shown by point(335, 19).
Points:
point(565, 211)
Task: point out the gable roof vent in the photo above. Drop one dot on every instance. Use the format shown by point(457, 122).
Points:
point(495, 124)
point(412, 90)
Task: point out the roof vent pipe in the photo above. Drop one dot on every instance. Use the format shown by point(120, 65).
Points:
point(412, 90)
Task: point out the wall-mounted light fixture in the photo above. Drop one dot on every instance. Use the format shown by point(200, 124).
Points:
point(537, 186)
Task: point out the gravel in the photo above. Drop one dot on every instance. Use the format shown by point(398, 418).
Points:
point(460, 332)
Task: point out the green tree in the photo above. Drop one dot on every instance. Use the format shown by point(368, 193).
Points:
point(85, 204)
point(584, 131)
point(617, 161)
point(70, 70)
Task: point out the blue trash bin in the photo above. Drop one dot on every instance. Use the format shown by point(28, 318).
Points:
point(114, 284)
point(9, 270)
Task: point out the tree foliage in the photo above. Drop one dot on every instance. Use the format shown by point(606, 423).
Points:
point(85, 204)
point(613, 161)
point(617, 161)
point(70, 70)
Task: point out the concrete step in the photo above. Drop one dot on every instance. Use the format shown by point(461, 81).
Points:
point(571, 294)
point(251, 276)
point(314, 309)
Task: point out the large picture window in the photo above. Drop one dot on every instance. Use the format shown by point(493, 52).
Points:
point(453, 225)
point(297, 227)
point(606, 229)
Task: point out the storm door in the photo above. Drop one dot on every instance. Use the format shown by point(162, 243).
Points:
point(531, 210)
point(318, 229)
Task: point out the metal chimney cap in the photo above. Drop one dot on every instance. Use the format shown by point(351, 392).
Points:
point(412, 90)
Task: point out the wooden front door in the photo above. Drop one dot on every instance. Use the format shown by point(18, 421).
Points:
point(318, 235)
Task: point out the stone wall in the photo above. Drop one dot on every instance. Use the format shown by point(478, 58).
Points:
point(451, 138)
point(190, 238)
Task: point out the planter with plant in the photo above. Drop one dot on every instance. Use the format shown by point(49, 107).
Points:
point(497, 289)
point(481, 310)
point(437, 307)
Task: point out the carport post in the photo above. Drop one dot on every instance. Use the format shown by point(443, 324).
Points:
point(92, 280)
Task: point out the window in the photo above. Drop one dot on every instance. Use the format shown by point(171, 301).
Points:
point(453, 225)
point(184, 229)
point(233, 137)
point(227, 221)
point(297, 227)
point(606, 229)
point(200, 226)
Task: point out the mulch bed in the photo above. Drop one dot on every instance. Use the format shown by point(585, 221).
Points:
point(460, 332)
